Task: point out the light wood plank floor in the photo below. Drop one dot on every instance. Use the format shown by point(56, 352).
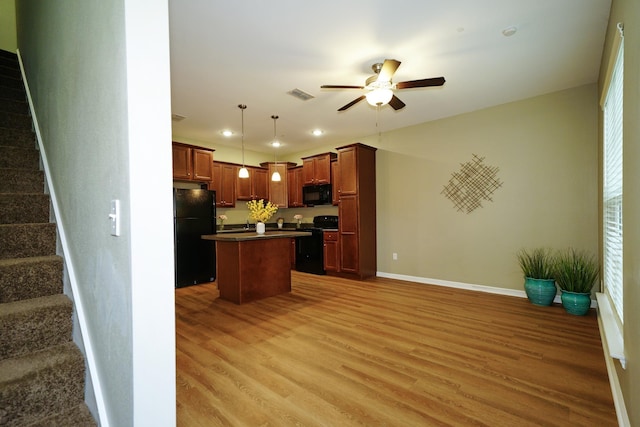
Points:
point(337, 352)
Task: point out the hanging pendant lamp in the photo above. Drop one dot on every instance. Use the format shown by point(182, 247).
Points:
point(276, 175)
point(243, 172)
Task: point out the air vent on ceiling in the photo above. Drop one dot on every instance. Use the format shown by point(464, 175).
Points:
point(177, 117)
point(300, 94)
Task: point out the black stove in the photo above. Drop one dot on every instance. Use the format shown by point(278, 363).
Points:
point(310, 250)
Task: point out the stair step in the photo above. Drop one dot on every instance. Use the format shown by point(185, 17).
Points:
point(27, 240)
point(24, 278)
point(19, 158)
point(12, 93)
point(21, 181)
point(78, 416)
point(14, 106)
point(25, 138)
point(34, 324)
point(40, 384)
point(14, 120)
point(11, 82)
point(7, 70)
point(24, 208)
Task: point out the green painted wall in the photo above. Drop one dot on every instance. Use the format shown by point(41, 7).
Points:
point(8, 38)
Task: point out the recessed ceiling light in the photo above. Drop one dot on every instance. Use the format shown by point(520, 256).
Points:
point(509, 31)
point(317, 132)
point(227, 133)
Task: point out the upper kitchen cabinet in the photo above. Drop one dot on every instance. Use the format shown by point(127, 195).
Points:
point(335, 183)
point(224, 184)
point(192, 163)
point(295, 187)
point(357, 210)
point(317, 169)
point(255, 187)
point(278, 190)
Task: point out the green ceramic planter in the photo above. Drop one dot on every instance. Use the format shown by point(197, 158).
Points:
point(576, 303)
point(540, 291)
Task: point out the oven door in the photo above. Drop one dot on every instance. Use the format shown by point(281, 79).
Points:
point(310, 252)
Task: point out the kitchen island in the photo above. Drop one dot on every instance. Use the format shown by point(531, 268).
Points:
point(253, 266)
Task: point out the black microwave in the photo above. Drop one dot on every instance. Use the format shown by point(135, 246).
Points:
point(316, 195)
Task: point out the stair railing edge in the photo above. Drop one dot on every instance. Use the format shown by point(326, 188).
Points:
point(80, 311)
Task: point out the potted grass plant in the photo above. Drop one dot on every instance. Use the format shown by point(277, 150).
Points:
point(576, 273)
point(538, 268)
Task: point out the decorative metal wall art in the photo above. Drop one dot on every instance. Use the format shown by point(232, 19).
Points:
point(471, 185)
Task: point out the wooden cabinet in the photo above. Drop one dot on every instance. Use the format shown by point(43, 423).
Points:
point(335, 183)
point(317, 169)
point(255, 187)
point(278, 190)
point(357, 210)
point(331, 252)
point(224, 184)
point(192, 163)
point(294, 184)
point(292, 255)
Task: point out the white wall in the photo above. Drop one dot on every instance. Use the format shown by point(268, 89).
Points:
point(99, 75)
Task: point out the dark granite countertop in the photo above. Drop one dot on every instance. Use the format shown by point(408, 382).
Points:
point(252, 235)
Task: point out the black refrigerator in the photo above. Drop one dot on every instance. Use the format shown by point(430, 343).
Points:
point(194, 214)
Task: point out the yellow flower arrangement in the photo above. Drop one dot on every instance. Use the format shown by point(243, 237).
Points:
point(259, 211)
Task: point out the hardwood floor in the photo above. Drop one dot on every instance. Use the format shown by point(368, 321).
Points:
point(337, 352)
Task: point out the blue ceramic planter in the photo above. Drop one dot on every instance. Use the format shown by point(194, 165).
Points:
point(540, 291)
point(576, 303)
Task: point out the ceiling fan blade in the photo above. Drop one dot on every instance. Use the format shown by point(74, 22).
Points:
point(396, 104)
point(352, 103)
point(340, 87)
point(388, 70)
point(435, 81)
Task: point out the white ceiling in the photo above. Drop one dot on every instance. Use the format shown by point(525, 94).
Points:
point(224, 53)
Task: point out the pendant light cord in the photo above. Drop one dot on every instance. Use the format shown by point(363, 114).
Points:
point(242, 107)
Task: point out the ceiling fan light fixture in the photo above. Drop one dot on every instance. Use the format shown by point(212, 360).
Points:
point(379, 96)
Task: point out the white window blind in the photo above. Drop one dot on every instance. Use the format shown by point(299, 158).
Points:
point(612, 186)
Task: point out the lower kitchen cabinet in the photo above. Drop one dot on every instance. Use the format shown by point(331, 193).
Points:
point(331, 252)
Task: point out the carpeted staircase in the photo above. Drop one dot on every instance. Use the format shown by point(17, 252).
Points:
point(41, 370)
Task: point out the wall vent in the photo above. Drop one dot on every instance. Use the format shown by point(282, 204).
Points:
point(300, 94)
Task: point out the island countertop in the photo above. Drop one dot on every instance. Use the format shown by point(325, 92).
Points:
point(244, 236)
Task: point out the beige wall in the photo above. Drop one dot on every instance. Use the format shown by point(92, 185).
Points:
point(8, 38)
point(628, 12)
point(546, 152)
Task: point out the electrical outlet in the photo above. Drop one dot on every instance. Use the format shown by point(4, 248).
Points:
point(395, 256)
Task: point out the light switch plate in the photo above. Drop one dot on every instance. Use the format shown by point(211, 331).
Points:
point(114, 217)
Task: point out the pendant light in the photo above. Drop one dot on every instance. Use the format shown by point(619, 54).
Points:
point(244, 172)
point(276, 175)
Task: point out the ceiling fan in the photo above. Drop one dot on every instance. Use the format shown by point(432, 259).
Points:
point(380, 87)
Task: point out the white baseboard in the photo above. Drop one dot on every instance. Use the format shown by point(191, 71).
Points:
point(467, 286)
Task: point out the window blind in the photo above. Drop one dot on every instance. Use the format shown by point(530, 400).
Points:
point(612, 186)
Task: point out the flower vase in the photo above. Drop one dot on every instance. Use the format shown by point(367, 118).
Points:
point(260, 227)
